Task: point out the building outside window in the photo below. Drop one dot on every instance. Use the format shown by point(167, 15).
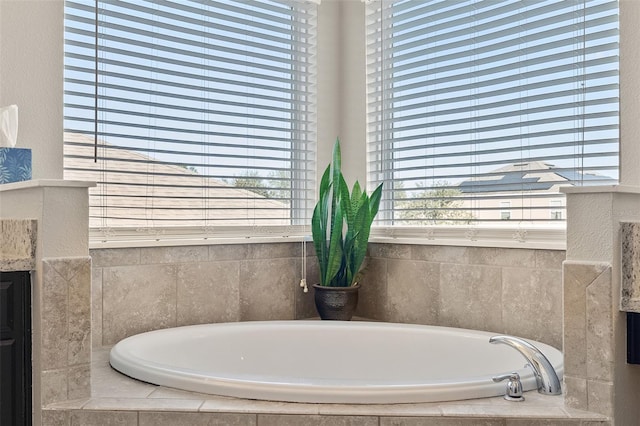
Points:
point(192, 116)
point(201, 115)
point(474, 102)
point(505, 213)
point(556, 209)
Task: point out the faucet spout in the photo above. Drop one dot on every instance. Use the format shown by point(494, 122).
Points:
point(546, 376)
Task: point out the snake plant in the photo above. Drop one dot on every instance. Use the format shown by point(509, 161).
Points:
point(341, 224)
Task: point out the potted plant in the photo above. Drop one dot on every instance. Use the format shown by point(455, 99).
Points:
point(341, 225)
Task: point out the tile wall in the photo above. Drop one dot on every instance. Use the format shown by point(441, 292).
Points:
point(589, 337)
point(514, 291)
point(142, 289)
point(65, 351)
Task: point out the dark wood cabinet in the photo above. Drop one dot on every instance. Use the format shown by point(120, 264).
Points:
point(15, 348)
point(633, 338)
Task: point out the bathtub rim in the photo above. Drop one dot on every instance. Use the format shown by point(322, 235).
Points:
point(160, 374)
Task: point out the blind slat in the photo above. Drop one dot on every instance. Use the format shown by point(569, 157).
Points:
point(184, 64)
point(272, 119)
point(592, 89)
point(473, 105)
point(221, 91)
point(205, 111)
point(153, 93)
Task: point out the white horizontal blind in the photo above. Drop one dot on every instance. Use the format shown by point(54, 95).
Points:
point(479, 111)
point(203, 111)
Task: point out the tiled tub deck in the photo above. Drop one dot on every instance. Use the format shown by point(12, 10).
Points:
point(119, 400)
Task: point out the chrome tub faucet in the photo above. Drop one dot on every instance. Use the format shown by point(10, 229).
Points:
point(546, 376)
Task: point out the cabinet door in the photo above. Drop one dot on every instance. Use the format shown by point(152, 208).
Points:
point(15, 348)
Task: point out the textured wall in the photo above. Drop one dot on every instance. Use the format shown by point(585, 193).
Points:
point(31, 76)
point(502, 290)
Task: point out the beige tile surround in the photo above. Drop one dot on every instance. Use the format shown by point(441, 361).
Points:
point(515, 291)
point(65, 351)
point(142, 289)
point(512, 291)
point(588, 336)
point(118, 400)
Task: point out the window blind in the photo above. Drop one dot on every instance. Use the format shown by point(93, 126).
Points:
point(479, 111)
point(193, 113)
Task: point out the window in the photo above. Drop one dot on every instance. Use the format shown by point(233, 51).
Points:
point(557, 208)
point(192, 115)
point(472, 104)
point(505, 213)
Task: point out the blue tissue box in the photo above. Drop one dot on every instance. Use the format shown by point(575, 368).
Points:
point(15, 165)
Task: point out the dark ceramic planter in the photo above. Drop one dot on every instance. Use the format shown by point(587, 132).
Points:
point(336, 303)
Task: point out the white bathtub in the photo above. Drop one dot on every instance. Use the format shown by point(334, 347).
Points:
point(326, 361)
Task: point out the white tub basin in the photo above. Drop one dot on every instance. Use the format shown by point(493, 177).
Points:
point(326, 361)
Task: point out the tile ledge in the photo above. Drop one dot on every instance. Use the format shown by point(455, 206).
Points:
point(17, 264)
point(73, 404)
point(536, 406)
point(240, 406)
point(599, 265)
point(620, 189)
point(43, 183)
point(495, 407)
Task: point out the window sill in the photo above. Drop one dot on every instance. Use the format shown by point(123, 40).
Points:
point(512, 236)
point(102, 238)
point(505, 236)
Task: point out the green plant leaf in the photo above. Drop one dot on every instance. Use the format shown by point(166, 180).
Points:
point(319, 224)
point(334, 259)
point(356, 192)
point(341, 225)
point(336, 164)
point(319, 240)
point(374, 201)
point(345, 204)
point(336, 175)
point(361, 239)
